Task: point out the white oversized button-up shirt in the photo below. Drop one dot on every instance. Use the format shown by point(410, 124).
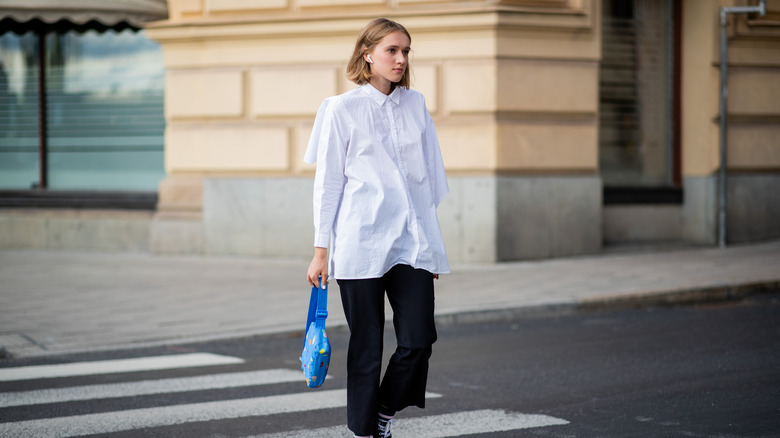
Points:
point(378, 182)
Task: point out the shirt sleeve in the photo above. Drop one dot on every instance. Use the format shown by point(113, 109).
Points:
point(434, 161)
point(327, 147)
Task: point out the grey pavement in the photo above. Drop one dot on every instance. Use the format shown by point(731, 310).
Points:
point(55, 302)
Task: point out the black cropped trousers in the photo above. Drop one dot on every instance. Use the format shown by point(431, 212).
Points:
point(410, 293)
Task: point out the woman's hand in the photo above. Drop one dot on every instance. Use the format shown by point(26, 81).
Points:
point(318, 268)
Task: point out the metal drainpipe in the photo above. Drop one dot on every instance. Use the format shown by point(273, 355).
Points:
point(724, 72)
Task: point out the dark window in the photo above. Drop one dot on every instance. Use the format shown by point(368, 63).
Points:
point(637, 143)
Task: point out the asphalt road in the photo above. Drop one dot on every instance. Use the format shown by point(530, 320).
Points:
point(701, 371)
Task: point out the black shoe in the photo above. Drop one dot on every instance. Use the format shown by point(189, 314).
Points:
point(383, 428)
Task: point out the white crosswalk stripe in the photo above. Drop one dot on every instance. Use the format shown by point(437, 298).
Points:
point(116, 366)
point(442, 426)
point(148, 387)
point(166, 416)
point(145, 414)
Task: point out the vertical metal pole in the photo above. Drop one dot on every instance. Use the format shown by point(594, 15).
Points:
point(724, 91)
point(42, 141)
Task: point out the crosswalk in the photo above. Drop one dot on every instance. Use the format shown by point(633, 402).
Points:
point(144, 420)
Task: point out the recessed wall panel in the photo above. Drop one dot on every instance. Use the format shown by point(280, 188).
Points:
point(425, 80)
point(204, 93)
point(467, 145)
point(227, 148)
point(291, 91)
point(548, 86)
point(548, 145)
point(470, 86)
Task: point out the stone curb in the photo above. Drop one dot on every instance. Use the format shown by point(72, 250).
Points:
point(647, 299)
point(665, 298)
point(638, 300)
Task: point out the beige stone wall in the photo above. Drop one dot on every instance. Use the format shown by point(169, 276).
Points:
point(699, 88)
point(753, 155)
point(512, 86)
point(754, 89)
point(754, 93)
point(243, 86)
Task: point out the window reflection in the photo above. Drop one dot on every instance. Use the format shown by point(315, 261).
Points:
point(18, 111)
point(105, 111)
point(113, 63)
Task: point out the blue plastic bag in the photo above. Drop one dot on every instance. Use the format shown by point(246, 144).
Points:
point(315, 357)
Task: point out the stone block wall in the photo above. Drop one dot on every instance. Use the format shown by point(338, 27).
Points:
point(512, 87)
point(753, 153)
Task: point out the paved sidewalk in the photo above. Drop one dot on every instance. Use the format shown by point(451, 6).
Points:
point(64, 301)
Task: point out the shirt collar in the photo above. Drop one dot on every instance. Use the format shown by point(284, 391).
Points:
point(380, 97)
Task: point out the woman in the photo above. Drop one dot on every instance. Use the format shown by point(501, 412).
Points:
point(378, 182)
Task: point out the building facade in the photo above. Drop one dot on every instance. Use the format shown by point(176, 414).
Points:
point(565, 125)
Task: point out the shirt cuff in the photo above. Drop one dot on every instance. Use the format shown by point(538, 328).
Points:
point(322, 240)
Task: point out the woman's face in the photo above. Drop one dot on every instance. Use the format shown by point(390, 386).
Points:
point(390, 59)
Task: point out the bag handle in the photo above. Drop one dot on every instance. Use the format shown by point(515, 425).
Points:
point(318, 308)
point(322, 306)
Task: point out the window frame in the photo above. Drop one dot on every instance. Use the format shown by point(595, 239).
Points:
point(40, 196)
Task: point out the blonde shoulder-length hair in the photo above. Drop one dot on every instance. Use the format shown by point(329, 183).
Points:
point(358, 70)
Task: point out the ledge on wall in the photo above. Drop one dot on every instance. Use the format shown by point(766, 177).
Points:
point(642, 195)
point(78, 199)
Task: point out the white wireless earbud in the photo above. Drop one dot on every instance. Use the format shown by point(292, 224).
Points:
point(370, 61)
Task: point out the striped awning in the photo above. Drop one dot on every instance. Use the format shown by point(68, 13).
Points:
point(82, 13)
